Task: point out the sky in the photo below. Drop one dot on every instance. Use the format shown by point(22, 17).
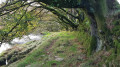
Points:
point(1, 1)
point(118, 1)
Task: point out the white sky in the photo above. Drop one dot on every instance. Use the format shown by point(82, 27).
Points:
point(118, 1)
point(2, 1)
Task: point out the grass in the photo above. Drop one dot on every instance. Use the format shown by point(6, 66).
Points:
point(63, 44)
point(70, 48)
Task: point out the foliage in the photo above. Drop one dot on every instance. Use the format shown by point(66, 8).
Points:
point(22, 25)
point(116, 33)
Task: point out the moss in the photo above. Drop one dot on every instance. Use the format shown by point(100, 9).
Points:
point(92, 46)
point(73, 48)
point(116, 29)
point(2, 61)
point(116, 33)
point(51, 64)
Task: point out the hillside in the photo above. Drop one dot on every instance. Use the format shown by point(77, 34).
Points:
point(55, 49)
point(58, 49)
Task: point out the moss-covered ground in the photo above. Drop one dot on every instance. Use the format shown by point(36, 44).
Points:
point(65, 49)
point(58, 49)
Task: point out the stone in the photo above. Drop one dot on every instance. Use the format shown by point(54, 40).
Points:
point(59, 59)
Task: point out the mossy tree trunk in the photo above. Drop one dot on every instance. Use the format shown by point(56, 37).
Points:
point(99, 29)
point(104, 33)
point(97, 11)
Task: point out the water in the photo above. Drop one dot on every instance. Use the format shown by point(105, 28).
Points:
point(6, 62)
point(4, 46)
point(24, 39)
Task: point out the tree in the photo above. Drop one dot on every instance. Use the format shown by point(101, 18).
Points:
point(97, 12)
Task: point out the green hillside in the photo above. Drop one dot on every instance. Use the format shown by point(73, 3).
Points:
point(62, 49)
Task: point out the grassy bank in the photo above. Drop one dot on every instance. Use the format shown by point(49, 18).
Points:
point(62, 49)
point(66, 49)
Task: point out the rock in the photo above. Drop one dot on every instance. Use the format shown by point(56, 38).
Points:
point(119, 37)
point(59, 59)
point(42, 63)
point(14, 55)
point(79, 58)
point(42, 55)
point(61, 46)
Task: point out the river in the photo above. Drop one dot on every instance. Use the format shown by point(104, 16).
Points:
point(24, 39)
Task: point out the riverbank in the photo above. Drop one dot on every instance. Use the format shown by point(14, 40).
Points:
point(59, 49)
point(54, 49)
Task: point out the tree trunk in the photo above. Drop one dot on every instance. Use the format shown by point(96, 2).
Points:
point(94, 33)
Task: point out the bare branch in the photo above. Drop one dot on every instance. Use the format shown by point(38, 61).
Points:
point(10, 10)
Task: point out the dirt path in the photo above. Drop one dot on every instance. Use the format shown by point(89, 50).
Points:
point(50, 46)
